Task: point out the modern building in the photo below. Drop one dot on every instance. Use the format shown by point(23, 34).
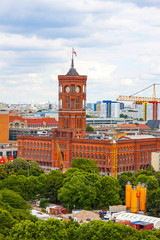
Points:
point(132, 153)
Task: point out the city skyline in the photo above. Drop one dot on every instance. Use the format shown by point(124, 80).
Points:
point(117, 45)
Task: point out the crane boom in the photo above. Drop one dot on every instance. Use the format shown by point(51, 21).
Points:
point(60, 158)
point(138, 100)
point(114, 153)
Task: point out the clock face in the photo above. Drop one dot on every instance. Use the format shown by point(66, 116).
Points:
point(67, 89)
point(77, 89)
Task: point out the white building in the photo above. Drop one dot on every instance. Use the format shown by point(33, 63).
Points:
point(155, 160)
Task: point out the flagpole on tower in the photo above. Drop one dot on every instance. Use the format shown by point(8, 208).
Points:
point(73, 52)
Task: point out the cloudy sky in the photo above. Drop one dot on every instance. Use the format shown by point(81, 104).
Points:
point(117, 45)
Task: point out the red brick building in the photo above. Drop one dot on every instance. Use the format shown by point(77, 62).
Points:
point(133, 152)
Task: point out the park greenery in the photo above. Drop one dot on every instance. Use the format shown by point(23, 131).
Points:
point(80, 187)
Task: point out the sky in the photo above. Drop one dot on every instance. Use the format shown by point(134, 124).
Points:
point(117, 45)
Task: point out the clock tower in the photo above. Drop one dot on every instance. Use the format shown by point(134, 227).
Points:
point(72, 102)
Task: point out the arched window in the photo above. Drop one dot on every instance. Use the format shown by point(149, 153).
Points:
point(34, 153)
point(130, 158)
point(120, 158)
point(45, 154)
point(92, 156)
point(76, 154)
point(38, 153)
point(73, 147)
point(48, 154)
point(31, 144)
point(25, 151)
point(96, 149)
point(133, 157)
point(140, 157)
point(84, 155)
point(88, 156)
point(143, 156)
point(41, 154)
point(95, 156)
point(87, 148)
point(108, 149)
point(38, 144)
point(73, 155)
point(81, 148)
point(146, 156)
point(44, 145)
point(104, 149)
point(80, 155)
point(41, 145)
point(28, 154)
point(123, 158)
point(84, 148)
point(48, 145)
point(31, 153)
point(104, 159)
point(25, 144)
point(99, 158)
point(127, 158)
point(99, 149)
point(92, 149)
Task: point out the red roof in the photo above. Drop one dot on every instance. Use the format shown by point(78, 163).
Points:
point(143, 126)
point(128, 125)
point(34, 121)
point(41, 120)
point(12, 118)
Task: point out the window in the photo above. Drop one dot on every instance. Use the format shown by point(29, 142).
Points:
point(92, 156)
point(37, 144)
point(48, 145)
point(88, 156)
point(81, 148)
point(45, 154)
point(143, 156)
point(34, 153)
point(25, 155)
point(28, 154)
point(73, 155)
point(84, 148)
point(41, 154)
point(95, 156)
point(73, 147)
point(25, 144)
point(60, 103)
point(96, 149)
point(104, 149)
point(77, 147)
point(31, 153)
point(87, 148)
point(44, 145)
point(123, 158)
point(48, 154)
point(99, 149)
point(84, 155)
point(41, 145)
point(147, 156)
point(140, 157)
point(76, 154)
point(127, 158)
point(38, 153)
point(99, 159)
point(92, 149)
point(80, 155)
point(108, 149)
point(104, 159)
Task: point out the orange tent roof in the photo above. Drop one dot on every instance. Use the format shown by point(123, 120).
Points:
point(128, 125)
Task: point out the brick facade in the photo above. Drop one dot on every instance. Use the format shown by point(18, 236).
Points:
point(132, 154)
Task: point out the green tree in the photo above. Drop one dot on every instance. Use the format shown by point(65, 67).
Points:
point(53, 183)
point(3, 173)
point(150, 181)
point(79, 191)
point(86, 165)
point(89, 129)
point(153, 203)
point(20, 163)
point(13, 199)
point(6, 221)
point(108, 192)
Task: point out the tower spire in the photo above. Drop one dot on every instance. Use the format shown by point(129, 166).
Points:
point(72, 63)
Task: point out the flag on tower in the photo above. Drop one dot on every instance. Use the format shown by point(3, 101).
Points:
point(74, 52)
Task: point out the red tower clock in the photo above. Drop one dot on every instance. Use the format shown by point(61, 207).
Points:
point(72, 102)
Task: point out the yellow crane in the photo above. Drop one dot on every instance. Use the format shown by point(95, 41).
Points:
point(114, 153)
point(60, 157)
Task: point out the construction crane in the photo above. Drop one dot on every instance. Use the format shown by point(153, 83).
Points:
point(144, 100)
point(114, 153)
point(60, 157)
